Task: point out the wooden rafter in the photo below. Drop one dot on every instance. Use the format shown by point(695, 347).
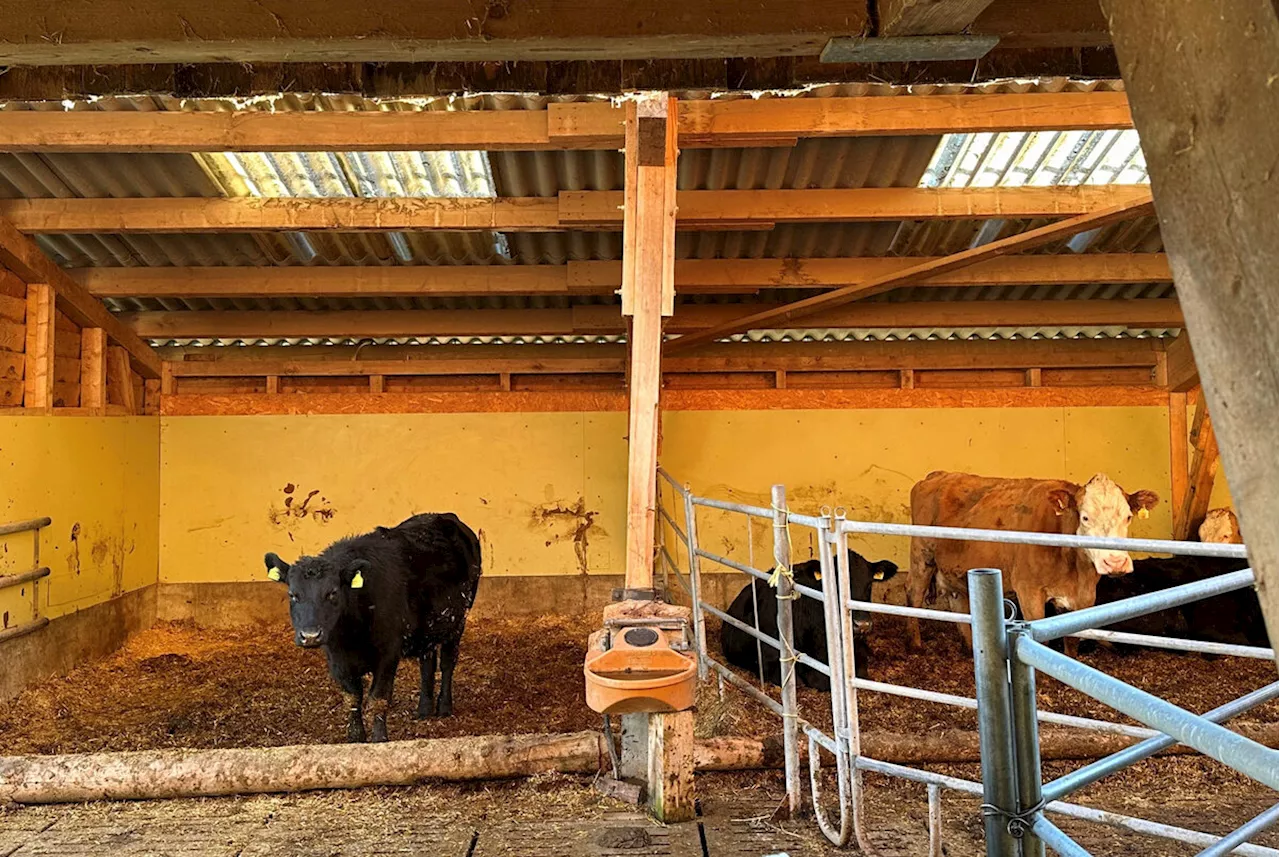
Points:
point(580, 125)
point(20, 255)
point(693, 276)
point(780, 316)
point(703, 209)
point(1183, 372)
point(231, 324)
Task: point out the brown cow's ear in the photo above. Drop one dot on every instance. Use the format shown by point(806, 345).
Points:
point(1061, 500)
point(1140, 501)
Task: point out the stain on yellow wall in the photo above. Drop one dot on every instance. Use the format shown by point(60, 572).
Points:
point(98, 479)
point(546, 492)
point(867, 461)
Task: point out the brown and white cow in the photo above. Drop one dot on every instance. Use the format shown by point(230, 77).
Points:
point(1221, 526)
point(1066, 577)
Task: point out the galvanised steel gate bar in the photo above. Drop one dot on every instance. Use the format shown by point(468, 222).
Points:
point(33, 576)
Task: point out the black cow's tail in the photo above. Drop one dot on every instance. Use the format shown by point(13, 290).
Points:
point(468, 544)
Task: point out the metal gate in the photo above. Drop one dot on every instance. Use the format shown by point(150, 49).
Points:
point(1007, 653)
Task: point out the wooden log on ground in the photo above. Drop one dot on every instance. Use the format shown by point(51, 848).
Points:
point(157, 774)
point(150, 774)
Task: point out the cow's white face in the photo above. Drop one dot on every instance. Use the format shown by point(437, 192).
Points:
point(1105, 511)
point(1222, 527)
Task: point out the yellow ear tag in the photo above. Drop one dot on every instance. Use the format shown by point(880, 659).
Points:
point(1144, 513)
point(274, 574)
point(817, 575)
point(357, 582)
point(879, 575)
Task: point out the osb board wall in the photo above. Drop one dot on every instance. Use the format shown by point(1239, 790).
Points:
point(867, 461)
point(546, 491)
point(98, 479)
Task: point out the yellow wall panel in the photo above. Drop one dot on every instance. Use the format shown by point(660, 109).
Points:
point(867, 461)
point(98, 479)
point(546, 491)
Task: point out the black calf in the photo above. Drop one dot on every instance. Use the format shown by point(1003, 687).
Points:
point(371, 600)
point(809, 625)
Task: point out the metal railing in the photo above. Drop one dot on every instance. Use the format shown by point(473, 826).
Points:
point(1014, 797)
point(33, 576)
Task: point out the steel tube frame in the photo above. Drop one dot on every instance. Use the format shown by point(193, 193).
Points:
point(1230, 748)
point(1057, 540)
point(1026, 740)
point(910, 612)
point(1096, 770)
point(695, 580)
point(995, 723)
point(1044, 630)
point(23, 577)
point(727, 506)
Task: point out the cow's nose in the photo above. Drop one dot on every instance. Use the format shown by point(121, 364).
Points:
point(1118, 564)
point(308, 639)
point(862, 626)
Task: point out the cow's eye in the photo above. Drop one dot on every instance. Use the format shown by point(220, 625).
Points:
point(1084, 519)
point(293, 596)
point(332, 596)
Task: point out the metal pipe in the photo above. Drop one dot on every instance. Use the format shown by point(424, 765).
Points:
point(1094, 771)
point(671, 522)
point(934, 792)
point(1048, 833)
point(726, 506)
point(1264, 820)
point(1026, 740)
point(995, 727)
point(22, 630)
point(24, 526)
point(1178, 644)
point(805, 520)
point(787, 659)
point(838, 834)
point(1232, 749)
point(695, 582)
point(1059, 540)
point(971, 703)
point(1043, 630)
point(915, 612)
point(25, 577)
point(734, 564)
point(801, 657)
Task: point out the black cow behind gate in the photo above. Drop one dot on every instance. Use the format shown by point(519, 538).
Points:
point(374, 599)
point(1234, 617)
point(808, 623)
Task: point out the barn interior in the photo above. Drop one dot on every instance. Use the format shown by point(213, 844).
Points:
point(301, 275)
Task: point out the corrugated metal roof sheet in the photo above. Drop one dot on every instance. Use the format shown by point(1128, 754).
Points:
point(955, 160)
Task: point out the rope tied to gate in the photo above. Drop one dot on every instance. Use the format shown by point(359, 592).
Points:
point(781, 570)
point(1017, 823)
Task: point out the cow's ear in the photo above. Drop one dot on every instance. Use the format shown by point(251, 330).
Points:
point(1061, 500)
point(277, 569)
point(353, 576)
point(1142, 502)
point(883, 570)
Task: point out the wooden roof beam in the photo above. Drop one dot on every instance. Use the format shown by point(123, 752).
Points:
point(784, 316)
point(579, 125)
point(927, 17)
point(387, 31)
point(737, 209)
point(254, 324)
point(693, 276)
point(20, 254)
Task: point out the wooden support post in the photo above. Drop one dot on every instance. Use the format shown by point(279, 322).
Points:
point(93, 369)
point(1178, 462)
point(671, 766)
point(121, 378)
point(1204, 469)
point(1034, 377)
point(648, 290)
point(634, 759)
point(1210, 140)
point(377, 383)
point(38, 362)
point(168, 384)
point(273, 384)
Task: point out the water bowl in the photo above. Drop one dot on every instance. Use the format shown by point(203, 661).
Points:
point(640, 666)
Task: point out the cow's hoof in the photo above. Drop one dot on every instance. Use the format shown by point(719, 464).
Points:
point(443, 711)
point(355, 737)
point(425, 710)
